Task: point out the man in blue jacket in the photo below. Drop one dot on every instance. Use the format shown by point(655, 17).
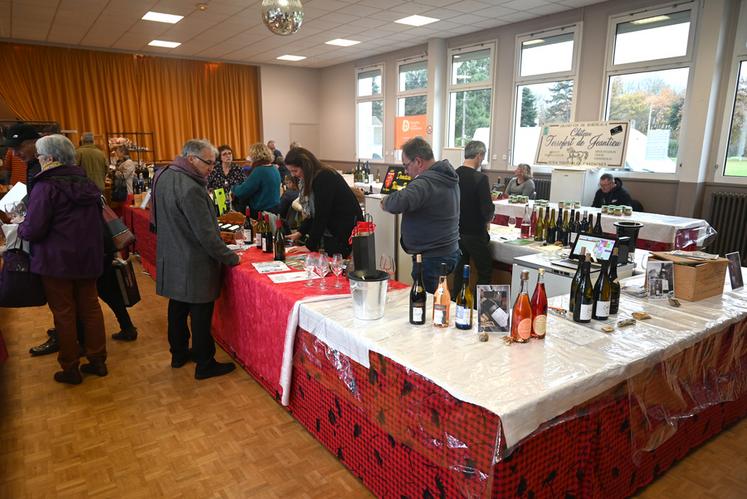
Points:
point(430, 210)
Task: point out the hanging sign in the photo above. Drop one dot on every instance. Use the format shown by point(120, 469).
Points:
point(600, 144)
point(408, 127)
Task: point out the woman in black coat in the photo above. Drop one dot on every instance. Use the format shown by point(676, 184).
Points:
point(334, 209)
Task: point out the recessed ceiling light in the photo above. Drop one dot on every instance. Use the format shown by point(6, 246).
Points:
point(160, 17)
point(164, 43)
point(294, 58)
point(533, 42)
point(341, 42)
point(650, 20)
point(417, 20)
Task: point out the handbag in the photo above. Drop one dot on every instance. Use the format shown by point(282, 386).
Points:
point(119, 188)
point(19, 287)
point(126, 280)
point(119, 233)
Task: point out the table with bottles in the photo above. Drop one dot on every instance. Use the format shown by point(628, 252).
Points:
point(659, 232)
point(593, 409)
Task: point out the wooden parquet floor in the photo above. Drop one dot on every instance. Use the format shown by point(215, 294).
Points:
point(148, 430)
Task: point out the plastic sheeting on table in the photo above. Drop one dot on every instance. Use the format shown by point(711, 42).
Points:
point(672, 366)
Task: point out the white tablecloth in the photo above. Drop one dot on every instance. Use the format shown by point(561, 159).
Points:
point(524, 384)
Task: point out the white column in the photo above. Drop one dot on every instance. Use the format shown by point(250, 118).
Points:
point(437, 65)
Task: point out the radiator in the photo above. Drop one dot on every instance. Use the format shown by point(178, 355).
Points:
point(542, 188)
point(728, 216)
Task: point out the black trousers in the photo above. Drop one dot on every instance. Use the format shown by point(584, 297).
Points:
point(108, 290)
point(203, 345)
point(476, 246)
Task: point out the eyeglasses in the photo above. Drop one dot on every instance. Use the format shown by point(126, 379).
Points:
point(209, 162)
point(407, 165)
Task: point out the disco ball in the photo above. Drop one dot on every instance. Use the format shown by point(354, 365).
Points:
point(282, 17)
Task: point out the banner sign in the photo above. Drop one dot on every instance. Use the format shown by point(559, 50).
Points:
point(409, 127)
point(600, 144)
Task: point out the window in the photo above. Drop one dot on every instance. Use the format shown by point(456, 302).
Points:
point(736, 152)
point(369, 125)
point(648, 72)
point(412, 103)
point(544, 83)
point(470, 95)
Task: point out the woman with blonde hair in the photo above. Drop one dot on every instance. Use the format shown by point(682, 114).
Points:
point(522, 183)
point(261, 189)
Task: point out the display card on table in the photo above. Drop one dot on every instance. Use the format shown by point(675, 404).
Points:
point(493, 308)
point(735, 270)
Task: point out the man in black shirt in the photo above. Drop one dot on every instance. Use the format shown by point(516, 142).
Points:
point(611, 191)
point(476, 212)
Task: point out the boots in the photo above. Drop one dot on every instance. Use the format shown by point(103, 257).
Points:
point(97, 367)
point(49, 346)
point(69, 376)
point(127, 334)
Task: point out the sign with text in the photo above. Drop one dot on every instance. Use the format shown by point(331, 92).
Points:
point(599, 144)
point(409, 127)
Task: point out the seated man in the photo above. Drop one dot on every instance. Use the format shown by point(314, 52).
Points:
point(611, 191)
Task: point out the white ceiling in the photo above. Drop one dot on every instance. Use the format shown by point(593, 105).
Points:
point(232, 30)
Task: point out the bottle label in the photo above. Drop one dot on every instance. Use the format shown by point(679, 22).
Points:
point(264, 244)
point(417, 313)
point(439, 315)
point(462, 315)
point(603, 308)
point(540, 325)
point(525, 329)
point(585, 313)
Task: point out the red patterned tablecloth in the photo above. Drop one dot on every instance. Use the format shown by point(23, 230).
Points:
point(145, 241)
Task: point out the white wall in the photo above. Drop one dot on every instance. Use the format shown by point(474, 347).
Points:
point(289, 95)
point(337, 113)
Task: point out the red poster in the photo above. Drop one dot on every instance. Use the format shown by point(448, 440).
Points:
point(408, 127)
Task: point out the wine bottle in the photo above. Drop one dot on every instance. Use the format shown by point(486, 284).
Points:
point(258, 230)
point(267, 235)
point(576, 279)
point(521, 315)
point(584, 294)
point(525, 223)
point(614, 284)
point(566, 228)
point(417, 294)
point(464, 303)
point(441, 300)
point(552, 229)
point(539, 307)
point(560, 228)
point(600, 311)
point(571, 220)
point(248, 227)
point(598, 225)
point(279, 245)
point(533, 223)
point(590, 224)
point(584, 226)
point(539, 230)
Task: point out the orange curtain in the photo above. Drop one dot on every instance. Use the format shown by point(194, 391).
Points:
point(103, 92)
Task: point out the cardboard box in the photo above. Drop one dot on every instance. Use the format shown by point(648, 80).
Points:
point(695, 279)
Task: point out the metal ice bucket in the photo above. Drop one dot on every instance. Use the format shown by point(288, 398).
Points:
point(369, 294)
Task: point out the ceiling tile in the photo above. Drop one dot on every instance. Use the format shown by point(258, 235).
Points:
point(495, 11)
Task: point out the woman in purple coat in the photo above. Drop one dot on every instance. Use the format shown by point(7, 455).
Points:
point(63, 223)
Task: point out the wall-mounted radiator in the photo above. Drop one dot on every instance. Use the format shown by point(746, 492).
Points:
point(729, 218)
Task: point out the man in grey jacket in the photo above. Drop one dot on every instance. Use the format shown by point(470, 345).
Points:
point(189, 257)
point(430, 210)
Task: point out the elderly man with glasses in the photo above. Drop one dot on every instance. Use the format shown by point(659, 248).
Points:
point(190, 254)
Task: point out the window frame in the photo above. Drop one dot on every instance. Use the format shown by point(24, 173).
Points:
point(371, 98)
point(403, 94)
point(488, 84)
point(687, 61)
point(519, 81)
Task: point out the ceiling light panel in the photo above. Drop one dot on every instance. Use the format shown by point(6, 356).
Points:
point(164, 43)
point(160, 17)
point(416, 20)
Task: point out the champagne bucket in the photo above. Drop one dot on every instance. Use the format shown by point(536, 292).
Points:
point(369, 294)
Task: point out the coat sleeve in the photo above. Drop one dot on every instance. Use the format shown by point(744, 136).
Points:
point(325, 195)
point(203, 225)
point(487, 208)
point(410, 198)
point(248, 187)
point(38, 215)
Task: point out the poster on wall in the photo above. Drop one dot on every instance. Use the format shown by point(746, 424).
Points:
point(599, 144)
point(409, 127)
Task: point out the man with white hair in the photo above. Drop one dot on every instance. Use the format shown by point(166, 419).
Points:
point(189, 256)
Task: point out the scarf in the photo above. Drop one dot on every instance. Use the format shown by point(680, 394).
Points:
point(180, 165)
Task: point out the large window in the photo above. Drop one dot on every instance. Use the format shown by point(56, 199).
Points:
point(412, 102)
point(648, 71)
point(470, 95)
point(544, 77)
point(369, 129)
point(736, 152)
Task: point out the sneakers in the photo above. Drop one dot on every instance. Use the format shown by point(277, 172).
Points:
point(97, 368)
point(213, 369)
point(129, 334)
point(50, 346)
point(69, 376)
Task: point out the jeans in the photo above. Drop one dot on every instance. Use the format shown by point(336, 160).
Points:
point(477, 247)
point(203, 345)
point(432, 269)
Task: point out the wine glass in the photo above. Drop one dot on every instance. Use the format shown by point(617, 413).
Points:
point(322, 269)
point(309, 265)
point(240, 240)
point(386, 263)
point(336, 264)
